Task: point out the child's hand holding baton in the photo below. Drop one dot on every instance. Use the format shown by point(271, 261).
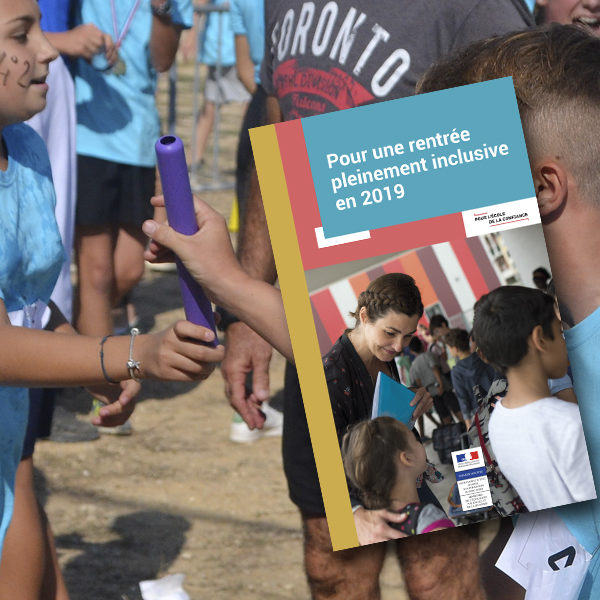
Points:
point(208, 256)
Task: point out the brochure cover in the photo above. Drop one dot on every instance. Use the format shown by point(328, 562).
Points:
point(437, 187)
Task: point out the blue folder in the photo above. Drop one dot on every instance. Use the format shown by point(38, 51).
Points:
point(392, 399)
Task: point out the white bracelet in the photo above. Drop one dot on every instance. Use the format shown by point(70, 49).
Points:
point(133, 365)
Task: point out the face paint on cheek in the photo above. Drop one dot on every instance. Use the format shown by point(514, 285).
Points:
point(4, 74)
point(27, 66)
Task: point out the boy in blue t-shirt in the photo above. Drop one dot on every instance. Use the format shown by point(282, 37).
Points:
point(117, 127)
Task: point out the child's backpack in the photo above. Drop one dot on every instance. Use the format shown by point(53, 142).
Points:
point(447, 439)
point(504, 496)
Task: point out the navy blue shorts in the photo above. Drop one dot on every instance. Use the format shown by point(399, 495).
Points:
point(110, 193)
point(41, 407)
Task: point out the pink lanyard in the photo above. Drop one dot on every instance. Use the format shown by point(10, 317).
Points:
point(119, 36)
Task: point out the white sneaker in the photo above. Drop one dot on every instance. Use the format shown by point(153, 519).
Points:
point(241, 433)
point(123, 429)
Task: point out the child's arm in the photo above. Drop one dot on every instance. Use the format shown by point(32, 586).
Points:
point(243, 63)
point(208, 256)
point(164, 39)
point(119, 400)
point(34, 358)
point(568, 395)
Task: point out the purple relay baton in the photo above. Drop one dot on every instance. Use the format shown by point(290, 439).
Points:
point(179, 203)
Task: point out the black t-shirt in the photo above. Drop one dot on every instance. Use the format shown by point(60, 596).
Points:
point(325, 56)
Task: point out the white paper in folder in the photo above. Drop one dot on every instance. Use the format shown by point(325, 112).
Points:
point(544, 557)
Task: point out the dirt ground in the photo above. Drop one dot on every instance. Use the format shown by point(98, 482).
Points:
point(177, 496)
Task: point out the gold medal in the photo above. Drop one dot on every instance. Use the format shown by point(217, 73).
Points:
point(119, 68)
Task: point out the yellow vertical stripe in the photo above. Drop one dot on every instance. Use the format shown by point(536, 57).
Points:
point(304, 337)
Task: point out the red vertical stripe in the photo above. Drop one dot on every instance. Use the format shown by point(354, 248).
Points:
point(485, 265)
point(393, 266)
point(329, 313)
point(438, 278)
point(298, 177)
point(470, 267)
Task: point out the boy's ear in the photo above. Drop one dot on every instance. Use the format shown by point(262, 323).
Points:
point(550, 179)
point(537, 338)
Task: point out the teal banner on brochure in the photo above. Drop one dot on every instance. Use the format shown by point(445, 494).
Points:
point(416, 158)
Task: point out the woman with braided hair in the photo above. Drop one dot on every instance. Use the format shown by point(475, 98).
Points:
point(386, 318)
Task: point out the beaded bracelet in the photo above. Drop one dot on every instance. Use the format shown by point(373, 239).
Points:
point(133, 365)
point(102, 360)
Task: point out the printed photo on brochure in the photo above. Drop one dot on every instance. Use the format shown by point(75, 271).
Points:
point(418, 293)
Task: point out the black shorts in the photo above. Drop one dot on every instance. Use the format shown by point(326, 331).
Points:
point(446, 404)
point(110, 193)
point(298, 459)
point(41, 407)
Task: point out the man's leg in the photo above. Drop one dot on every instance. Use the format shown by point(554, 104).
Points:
point(443, 565)
point(343, 575)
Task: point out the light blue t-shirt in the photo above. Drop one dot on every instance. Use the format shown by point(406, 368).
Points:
point(31, 256)
point(248, 18)
point(117, 119)
point(560, 384)
point(209, 51)
point(583, 520)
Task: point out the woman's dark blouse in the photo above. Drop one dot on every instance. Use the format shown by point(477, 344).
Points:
point(350, 386)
